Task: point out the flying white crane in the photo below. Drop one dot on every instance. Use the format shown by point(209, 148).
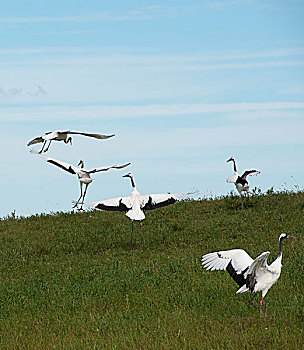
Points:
point(62, 135)
point(136, 204)
point(251, 275)
point(240, 182)
point(82, 173)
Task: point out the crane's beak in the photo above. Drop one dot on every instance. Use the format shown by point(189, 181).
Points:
point(229, 160)
point(126, 175)
point(293, 240)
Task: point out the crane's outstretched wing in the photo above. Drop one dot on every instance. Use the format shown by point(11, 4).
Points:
point(154, 201)
point(250, 172)
point(48, 136)
point(97, 136)
point(65, 166)
point(235, 261)
point(232, 179)
point(105, 168)
point(114, 204)
point(35, 140)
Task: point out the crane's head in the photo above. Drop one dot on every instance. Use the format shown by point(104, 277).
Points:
point(81, 163)
point(230, 159)
point(128, 175)
point(131, 177)
point(284, 236)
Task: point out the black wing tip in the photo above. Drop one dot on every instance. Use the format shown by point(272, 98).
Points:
point(120, 207)
point(237, 277)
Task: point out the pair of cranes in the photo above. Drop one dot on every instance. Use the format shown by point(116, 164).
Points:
point(82, 173)
point(251, 275)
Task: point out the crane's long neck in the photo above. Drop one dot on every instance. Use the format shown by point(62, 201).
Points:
point(280, 247)
point(132, 181)
point(234, 166)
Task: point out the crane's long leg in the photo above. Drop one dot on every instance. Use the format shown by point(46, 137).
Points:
point(48, 146)
point(85, 192)
point(242, 201)
point(76, 203)
point(131, 234)
point(251, 301)
point(261, 304)
point(141, 236)
point(42, 147)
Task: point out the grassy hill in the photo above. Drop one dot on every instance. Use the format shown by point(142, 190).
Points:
point(70, 280)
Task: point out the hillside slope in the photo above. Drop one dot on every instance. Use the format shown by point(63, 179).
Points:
point(71, 281)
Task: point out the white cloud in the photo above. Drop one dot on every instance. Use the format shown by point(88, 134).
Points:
point(259, 4)
point(144, 13)
point(62, 56)
point(89, 75)
point(8, 93)
point(36, 113)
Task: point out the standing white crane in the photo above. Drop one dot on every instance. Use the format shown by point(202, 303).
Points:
point(136, 204)
point(62, 135)
point(251, 275)
point(82, 173)
point(240, 182)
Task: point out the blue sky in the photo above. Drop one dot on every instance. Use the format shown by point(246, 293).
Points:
point(183, 85)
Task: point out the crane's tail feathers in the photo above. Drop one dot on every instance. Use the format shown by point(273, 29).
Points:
point(135, 214)
point(243, 289)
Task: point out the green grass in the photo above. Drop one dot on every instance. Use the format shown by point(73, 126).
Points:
point(70, 281)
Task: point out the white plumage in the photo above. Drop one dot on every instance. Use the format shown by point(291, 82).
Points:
point(135, 204)
point(62, 135)
point(82, 173)
point(251, 275)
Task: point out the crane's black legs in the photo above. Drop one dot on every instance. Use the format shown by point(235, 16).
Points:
point(242, 201)
point(85, 192)
point(261, 303)
point(42, 147)
point(141, 235)
point(260, 307)
point(76, 203)
point(48, 146)
point(251, 301)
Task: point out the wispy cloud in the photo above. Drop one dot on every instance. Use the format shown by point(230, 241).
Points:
point(11, 92)
point(142, 57)
point(269, 5)
point(91, 75)
point(260, 4)
point(18, 114)
point(197, 62)
point(144, 13)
